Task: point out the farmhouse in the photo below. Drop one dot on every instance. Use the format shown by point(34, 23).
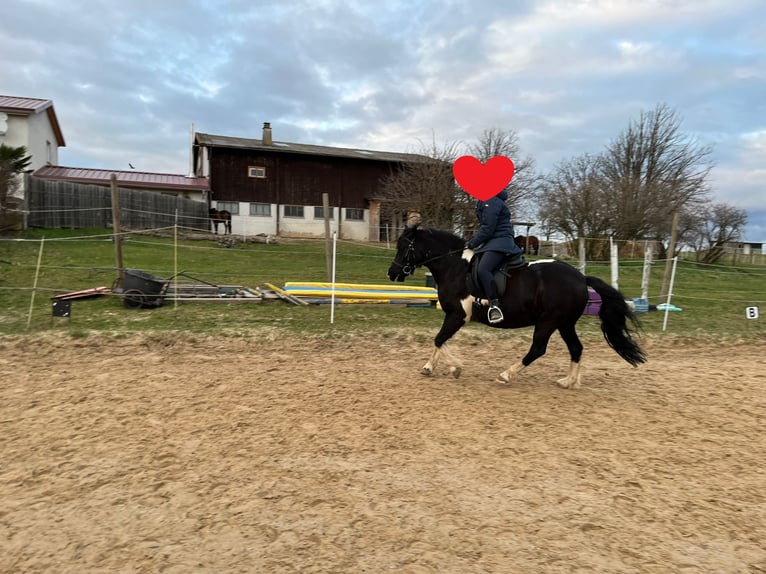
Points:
point(32, 123)
point(270, 187)
point(276, 188)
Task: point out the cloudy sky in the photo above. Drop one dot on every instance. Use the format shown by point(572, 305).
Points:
point(128, 78)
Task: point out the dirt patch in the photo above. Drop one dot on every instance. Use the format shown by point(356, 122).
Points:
point(168, 454)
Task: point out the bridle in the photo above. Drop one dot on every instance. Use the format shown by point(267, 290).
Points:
point(409, 265)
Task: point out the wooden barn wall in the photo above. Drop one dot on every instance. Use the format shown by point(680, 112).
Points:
point(56, 204)
point(295, 179)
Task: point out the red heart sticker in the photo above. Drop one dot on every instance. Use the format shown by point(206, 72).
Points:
point(483, 181)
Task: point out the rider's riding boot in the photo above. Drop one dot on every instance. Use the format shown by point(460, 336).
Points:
point(494, 315)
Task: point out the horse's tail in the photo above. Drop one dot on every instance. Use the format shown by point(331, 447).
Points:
point(618, 322)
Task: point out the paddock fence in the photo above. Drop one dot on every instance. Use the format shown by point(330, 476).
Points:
point(67, 205)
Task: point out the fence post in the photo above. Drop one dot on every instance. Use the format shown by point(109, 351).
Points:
point(646, 274)
point(116, 230)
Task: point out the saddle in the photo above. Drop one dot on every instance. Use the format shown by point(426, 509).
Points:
point(510, 263)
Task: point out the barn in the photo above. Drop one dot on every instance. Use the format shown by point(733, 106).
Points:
point(276, 188)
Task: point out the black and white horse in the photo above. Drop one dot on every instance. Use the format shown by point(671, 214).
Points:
point(551, 295)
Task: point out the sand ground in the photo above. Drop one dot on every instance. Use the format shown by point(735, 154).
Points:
point(175, 454)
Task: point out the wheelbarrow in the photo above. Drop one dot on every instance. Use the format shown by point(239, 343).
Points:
point(142, 289)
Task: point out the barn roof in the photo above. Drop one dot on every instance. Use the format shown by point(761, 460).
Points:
point(27, 106)
point(305, 149)
point(131, 178)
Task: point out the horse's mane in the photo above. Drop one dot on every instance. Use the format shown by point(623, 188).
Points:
point(446, 238)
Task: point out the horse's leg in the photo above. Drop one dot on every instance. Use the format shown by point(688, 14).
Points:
point(572, 380)
point(454, 319)
point(540, 338)
point(455, 369)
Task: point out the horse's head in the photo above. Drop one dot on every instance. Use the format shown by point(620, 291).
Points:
point(405, 260)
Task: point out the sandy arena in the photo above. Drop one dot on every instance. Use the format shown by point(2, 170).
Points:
point(160, 453)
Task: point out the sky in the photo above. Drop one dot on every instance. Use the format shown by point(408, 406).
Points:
point(128, 79)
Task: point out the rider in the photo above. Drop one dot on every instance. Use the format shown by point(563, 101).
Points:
point(494, 240)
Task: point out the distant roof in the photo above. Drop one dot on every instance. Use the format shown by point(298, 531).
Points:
point(130, 178)
point(29, 106)
point(287, 147)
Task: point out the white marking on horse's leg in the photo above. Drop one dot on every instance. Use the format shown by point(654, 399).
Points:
point(572, 380)
point(429, 367)
point(513, 370)
point(456, 366)
point(467, 305)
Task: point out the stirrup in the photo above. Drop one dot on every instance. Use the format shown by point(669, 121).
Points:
point(494, 315)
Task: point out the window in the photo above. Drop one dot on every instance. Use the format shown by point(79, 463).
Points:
point(319, 213)
point(260, 209)
point(354, 214)
point(230, 206)
point(293, 211)
point(256, 171)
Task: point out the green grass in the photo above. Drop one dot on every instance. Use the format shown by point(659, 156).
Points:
point(713, 298)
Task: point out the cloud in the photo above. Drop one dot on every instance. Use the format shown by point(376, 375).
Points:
point(127, 79)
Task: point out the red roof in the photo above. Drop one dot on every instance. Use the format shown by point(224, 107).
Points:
point(28, 106)
point(12, 103)
point(124, 178)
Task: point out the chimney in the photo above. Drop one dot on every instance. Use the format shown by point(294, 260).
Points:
point(267, 134)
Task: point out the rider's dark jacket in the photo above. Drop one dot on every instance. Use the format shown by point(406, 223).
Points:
point(495, 229)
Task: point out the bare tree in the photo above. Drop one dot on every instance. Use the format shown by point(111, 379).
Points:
point(572, 201)
point(652, 170)
point(429, 188)
point(721, 224)
point(426, 186)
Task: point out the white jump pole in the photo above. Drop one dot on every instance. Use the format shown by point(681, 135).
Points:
point(332, 285)
point(670, 294)
point(614, 249)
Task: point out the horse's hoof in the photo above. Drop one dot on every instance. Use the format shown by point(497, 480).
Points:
point(503, 378)
point(567, 383)
point(456, 371)
point(426, 371)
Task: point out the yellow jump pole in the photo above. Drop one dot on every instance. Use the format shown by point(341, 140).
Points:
point(34, 287)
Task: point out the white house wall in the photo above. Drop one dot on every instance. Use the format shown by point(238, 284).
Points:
point(17, 133)
point(33, 132)
point(306, 226)
point(43, 146)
